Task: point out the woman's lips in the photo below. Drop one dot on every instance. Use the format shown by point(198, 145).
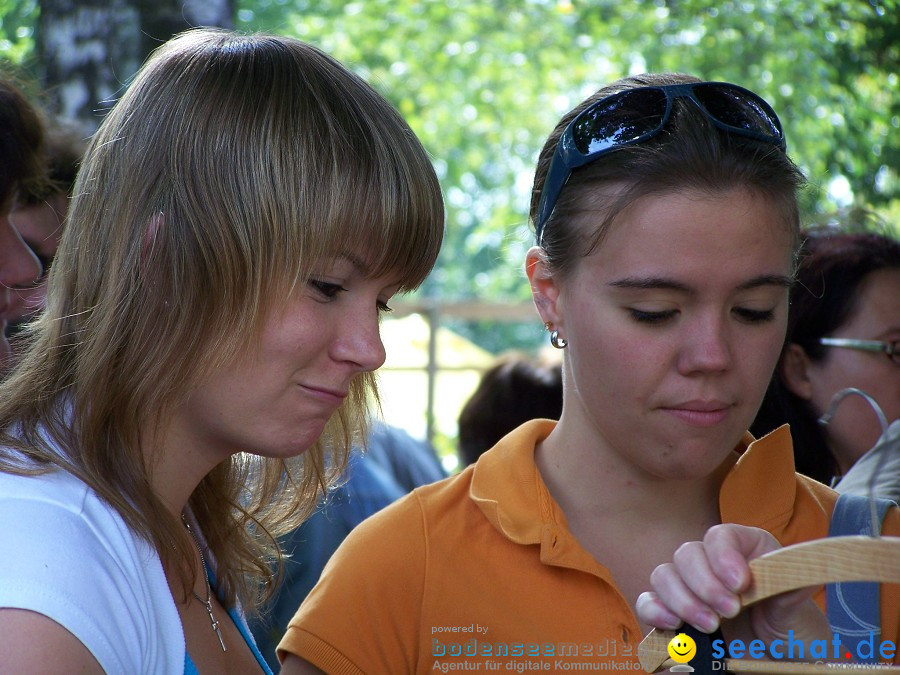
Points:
point(333, 396)
point(699, 413)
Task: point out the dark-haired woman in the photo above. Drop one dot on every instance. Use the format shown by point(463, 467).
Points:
point(843, 332)
point(666, 225)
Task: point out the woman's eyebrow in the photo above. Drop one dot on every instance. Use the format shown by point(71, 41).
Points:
point(665, 283)
point(780, 280)
point(639, 283)
point(358, 263)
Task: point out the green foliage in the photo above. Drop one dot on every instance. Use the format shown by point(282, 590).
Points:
point(18, 19)
point(478, 86)
point(828, 67)
point(483, 83)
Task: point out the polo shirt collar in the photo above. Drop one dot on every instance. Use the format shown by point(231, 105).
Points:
point(758, 491)
point(508, 488)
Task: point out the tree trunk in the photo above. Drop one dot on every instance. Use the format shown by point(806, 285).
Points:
point(162, 20)
point(90, 49)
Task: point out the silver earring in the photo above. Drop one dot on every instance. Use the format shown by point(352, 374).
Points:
point(556, 341)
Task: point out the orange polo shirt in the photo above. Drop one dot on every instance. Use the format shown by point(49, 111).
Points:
point(479, 572)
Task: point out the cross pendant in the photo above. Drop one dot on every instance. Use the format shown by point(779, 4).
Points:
point(215, 624)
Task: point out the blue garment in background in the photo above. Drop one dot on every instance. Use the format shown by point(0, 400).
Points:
point(854, 607)
point(394, 464)
point(410, 462)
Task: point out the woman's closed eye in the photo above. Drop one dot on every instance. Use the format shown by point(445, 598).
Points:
point(744, 314)
point(748, 315)
point(326, 289)
point(330, 291)
point(652, 317)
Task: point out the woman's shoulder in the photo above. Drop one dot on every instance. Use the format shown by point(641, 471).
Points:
point(54, 515)
point(891, 524)
point(57, 491)
point(69, 556)
point(452, 507)
point(378, 578)
point(413, 510)
point(53, 485)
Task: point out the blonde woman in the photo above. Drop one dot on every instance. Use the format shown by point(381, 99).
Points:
point(241, 219)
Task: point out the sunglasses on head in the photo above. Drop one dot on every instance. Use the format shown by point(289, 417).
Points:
point(635, 115)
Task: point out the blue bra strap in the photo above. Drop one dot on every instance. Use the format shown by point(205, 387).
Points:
point(241, 623)
point(191, 669)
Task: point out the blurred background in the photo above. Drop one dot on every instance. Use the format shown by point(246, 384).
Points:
point(482, 84)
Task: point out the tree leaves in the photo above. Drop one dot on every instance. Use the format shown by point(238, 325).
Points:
point(483, 83)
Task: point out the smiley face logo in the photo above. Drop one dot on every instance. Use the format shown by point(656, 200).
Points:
point(682, 648)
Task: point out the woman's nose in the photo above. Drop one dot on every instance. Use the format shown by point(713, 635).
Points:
point(18, 264)
point(706, 348)
point(360, 342)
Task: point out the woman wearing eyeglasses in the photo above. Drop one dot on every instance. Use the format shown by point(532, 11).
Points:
point(843, 331)
point(667, 223)
point(21, 169)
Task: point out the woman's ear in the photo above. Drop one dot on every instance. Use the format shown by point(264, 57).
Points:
point(544, 287)
point(794, 371)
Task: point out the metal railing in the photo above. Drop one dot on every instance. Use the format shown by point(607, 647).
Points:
point(435, 312)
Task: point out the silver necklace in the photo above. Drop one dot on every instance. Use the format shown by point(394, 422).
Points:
point(208, 601)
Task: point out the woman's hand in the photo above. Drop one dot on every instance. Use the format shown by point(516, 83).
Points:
point(702, 585)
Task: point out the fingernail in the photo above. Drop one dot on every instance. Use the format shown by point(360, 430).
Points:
point(708, 622)
point(734, 581)
point(672, 622)
point(729, 607)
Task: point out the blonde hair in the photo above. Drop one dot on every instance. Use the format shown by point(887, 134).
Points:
point(230, 166)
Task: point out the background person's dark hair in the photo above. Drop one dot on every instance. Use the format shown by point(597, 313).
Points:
point(40, 213)
point(64, 149)
point(512, 391)
point(21, 143)
point(834, 264)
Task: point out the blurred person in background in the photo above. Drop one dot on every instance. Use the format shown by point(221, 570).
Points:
point(39, 216)
point(515, 389)
point(843, 332)
point(22, 170)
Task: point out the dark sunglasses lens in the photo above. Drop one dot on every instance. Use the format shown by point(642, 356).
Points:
point(621, 118)
point(738, 108)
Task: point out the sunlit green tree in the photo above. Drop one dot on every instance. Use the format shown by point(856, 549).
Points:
point(482, 83)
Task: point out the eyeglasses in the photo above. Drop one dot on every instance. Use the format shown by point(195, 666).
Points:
point(635, 115)
point(890, 348)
